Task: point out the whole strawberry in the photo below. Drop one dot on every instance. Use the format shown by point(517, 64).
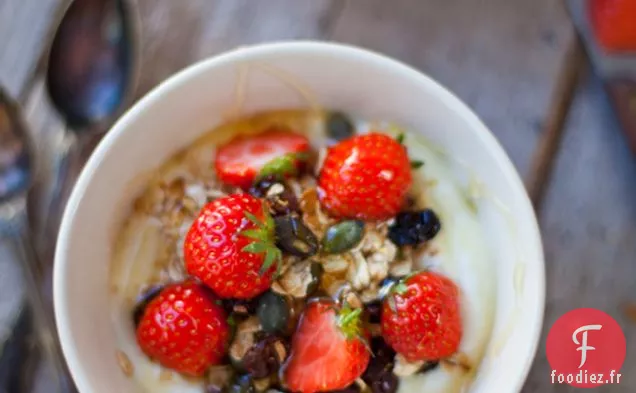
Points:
point(231, 248)
point(184, 329)
point(365, 177)
point(329, 350)
point(421, 317)
point(614, 24)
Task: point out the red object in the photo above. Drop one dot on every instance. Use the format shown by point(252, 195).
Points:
point(421, 317)
point(238, 162)
point(214, 247)
point(184, 329)
point(327, 353)
point(614, 24)
point(586, 348)
point(365, 177)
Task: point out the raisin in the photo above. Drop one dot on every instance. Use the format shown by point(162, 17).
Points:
point(413, 228)
point(379, 373)
point(265, 357)
point(144, 299)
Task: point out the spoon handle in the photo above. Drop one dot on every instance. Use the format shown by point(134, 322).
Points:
point(63, 168)
point(37, 297)
point(19, 357)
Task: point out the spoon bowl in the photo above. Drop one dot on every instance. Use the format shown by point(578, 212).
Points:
point(90, 62)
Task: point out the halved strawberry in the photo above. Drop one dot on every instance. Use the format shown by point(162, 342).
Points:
point(329, 350)
point(239, 162)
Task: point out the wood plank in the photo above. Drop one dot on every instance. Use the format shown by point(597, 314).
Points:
point(178, 33)
point(589, 227)
point(500, 56)
point(23, 25)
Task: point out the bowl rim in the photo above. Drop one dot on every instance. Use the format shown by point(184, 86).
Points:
point(181, 77)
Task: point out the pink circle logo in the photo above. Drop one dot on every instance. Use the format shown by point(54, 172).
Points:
point(586, 348)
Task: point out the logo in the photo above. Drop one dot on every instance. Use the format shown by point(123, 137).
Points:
point(586, 348)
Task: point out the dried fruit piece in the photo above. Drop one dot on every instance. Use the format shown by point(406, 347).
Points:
point(413, 228)
point(265, 357)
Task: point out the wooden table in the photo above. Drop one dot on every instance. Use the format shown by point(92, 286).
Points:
point(502, 57)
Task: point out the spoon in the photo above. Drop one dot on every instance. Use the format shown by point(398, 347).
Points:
point(16, 169)
point(91, 74)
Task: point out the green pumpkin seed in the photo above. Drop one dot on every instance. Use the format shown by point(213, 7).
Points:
point(342, 237)
point(273, 313)
point(293, 236)
point(339, 126)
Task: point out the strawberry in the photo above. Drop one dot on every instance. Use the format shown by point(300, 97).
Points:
point(231, 247)
point(614, 23)
point(365, 177)
point(184, 329)
point(421, 317)
point(328, 350)
point(239, 162)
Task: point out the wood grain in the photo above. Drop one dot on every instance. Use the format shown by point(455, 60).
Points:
point(501, 57)
point(558, 109)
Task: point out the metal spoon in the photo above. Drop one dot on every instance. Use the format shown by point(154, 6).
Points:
point(16, 169)
point(92, 72)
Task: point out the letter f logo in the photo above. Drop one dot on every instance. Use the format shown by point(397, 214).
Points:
point(584, 347)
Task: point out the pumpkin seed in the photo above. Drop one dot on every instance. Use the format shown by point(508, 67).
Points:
point(339, 126)
point(342, 237)
point(272, 312)
point(294, 237)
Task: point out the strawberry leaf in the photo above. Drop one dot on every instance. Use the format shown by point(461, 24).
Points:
point(256, 248)
point(254, 220)
point(253, 234)
point(272, 255)
point(280, 167)
point(400, 138)
point(348, 321)
point(400, 288)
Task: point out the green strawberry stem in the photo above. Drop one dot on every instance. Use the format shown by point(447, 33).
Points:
point(348, 320)
point(263, 240)
point(398, 288)
point(282, 167)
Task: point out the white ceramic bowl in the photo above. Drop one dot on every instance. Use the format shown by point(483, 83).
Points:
point(191, 102)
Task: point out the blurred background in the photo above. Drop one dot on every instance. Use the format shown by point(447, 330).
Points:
point(552, 79)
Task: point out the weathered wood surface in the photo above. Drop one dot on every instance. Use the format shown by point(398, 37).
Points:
point(500, 56)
